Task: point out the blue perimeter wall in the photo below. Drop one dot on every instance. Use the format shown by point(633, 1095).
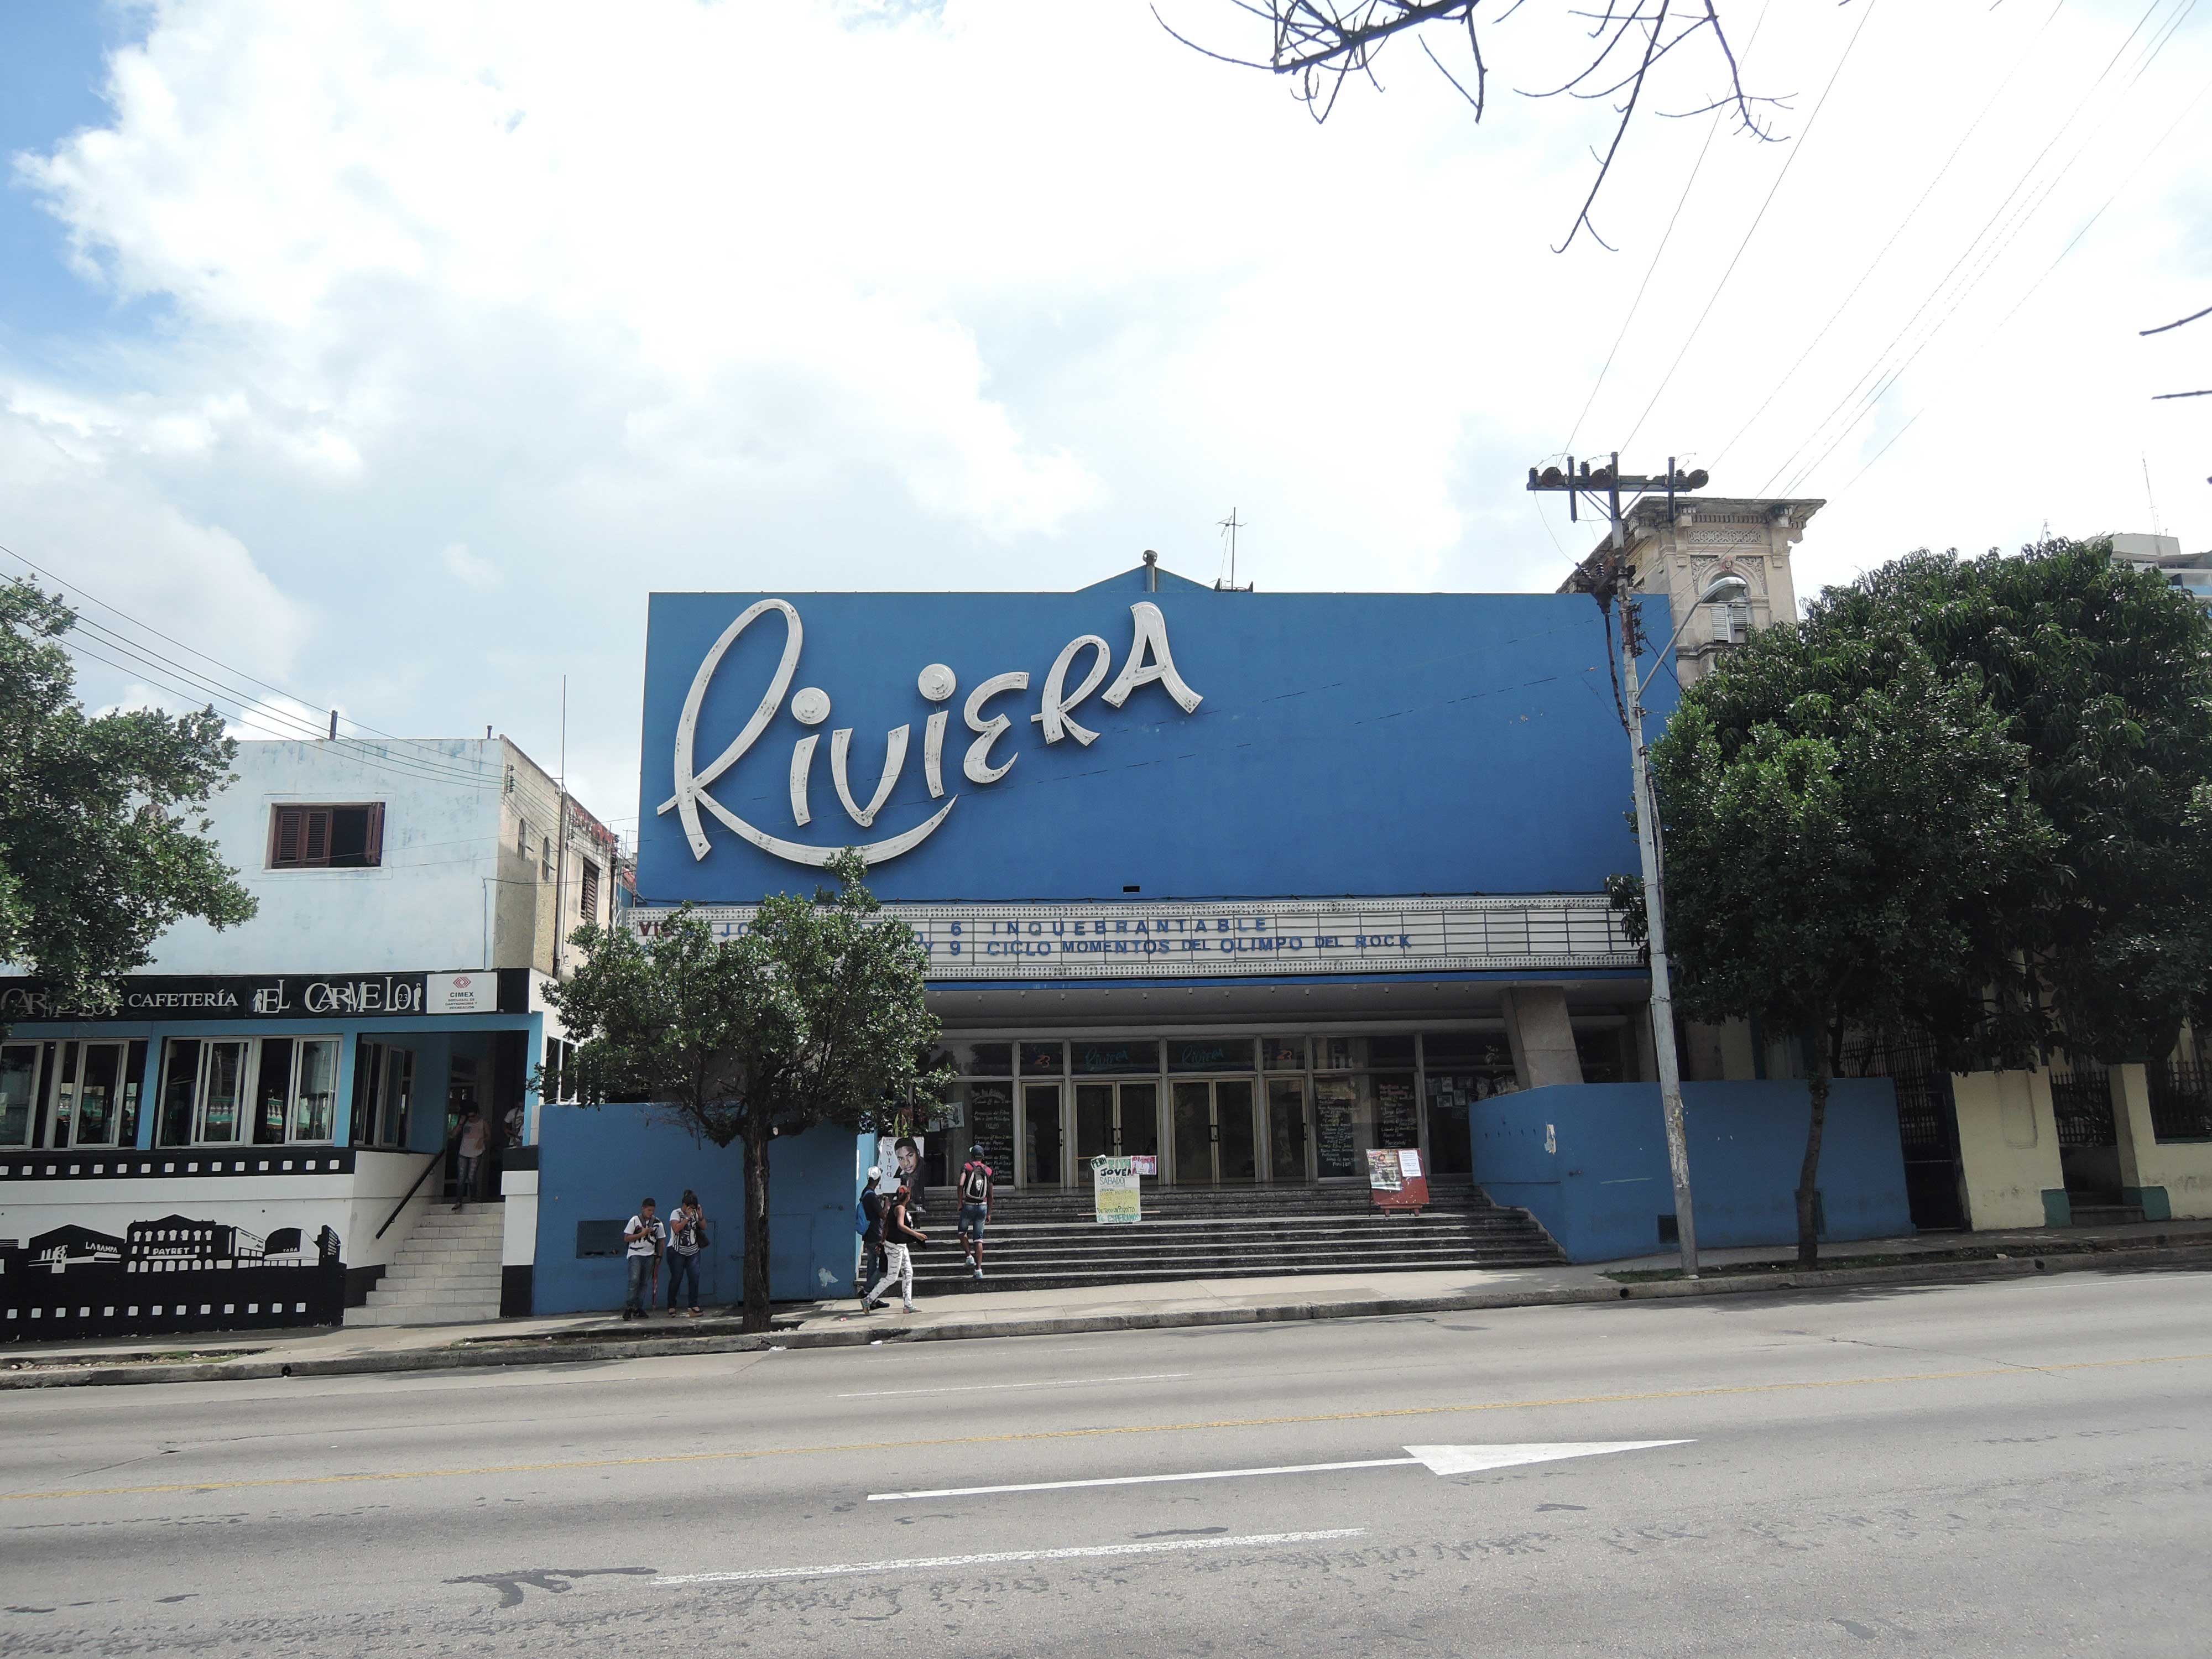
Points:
point(595, 1163)
point(1600, 1193)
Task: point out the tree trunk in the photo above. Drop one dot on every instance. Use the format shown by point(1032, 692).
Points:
point(757, 1145)
point(1808, 1177)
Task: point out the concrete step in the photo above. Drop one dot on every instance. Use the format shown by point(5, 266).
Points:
point(420, 1316)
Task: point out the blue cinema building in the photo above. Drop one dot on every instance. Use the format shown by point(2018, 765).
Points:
point(1249, 882)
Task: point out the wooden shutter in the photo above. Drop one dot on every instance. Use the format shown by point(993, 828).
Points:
point(591, 895)
point(284, 842)
point(373, 844)
point(315, 843)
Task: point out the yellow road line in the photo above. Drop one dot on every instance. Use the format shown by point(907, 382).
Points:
point(1380, 1414)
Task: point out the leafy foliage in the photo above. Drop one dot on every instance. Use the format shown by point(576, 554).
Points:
point(1838, 816)
point(103, 831)
point(813, 1014)
point(2104, 674)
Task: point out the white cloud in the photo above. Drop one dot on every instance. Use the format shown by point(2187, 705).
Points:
point(997, 293)
point(470, 569)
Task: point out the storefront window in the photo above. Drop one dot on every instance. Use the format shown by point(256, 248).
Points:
point(1041, 1059)
point(1283, 1054)
point(272, 1108)
point(1210, 1054)
point(1118, 1056)
point(990, 1115)
point(1354, 1114)
point(1352, 1053)
point(222, 1093)
point(983, 1059)
point(19, 1082)
point(315, 1096)
point(383, 1093)
point(180, 1083)
point(1602, 1050)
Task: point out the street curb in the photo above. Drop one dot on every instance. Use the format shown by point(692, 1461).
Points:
point(492, 1356)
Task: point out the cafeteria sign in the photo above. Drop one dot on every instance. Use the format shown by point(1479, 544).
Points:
point(1116, 1192)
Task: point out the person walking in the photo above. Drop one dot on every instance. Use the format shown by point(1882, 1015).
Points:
point(643, 1238)
point(687, 1236)
point(900, 1237)
point(871, 1233)
point(475, 1142)
point(977, 1183)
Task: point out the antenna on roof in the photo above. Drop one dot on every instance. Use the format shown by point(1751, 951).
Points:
point(1229, 527)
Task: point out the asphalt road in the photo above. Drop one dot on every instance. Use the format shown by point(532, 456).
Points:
point(2002, 1469)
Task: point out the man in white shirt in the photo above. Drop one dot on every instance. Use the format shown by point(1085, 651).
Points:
point(644, 1237)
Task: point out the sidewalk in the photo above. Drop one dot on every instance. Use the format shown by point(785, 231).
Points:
point(573, 1338)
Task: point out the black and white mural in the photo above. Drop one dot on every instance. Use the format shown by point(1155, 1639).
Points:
point(169, 1273)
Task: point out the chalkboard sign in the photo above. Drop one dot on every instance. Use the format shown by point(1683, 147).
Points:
point(1397, 1112)
point(990, 1125)
point(1335, 1143)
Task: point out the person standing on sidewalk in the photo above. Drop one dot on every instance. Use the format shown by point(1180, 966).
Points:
point(475, 1142)
point(687, 1236)
point(977, 1181)
point(900, 1238)
point(872, 1234)
point(643, 1237)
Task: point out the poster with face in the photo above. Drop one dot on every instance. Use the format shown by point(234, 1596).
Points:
point(899, 1157)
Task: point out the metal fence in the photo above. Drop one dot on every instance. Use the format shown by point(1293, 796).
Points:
point(2180, 1102)
point(2083, 1102)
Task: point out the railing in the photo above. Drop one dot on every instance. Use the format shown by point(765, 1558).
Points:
point(2082, 1103)
point(429, 1164)
point(2180, 1102)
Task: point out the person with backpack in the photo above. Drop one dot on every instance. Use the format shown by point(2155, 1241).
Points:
point(977, 1181)
point(868, 1222)
point(900, 1237)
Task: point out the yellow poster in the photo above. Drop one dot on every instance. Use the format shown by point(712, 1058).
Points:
point(1114, 1184)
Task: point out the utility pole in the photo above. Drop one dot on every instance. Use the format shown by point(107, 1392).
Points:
point(1611, 584)
point(561, 853)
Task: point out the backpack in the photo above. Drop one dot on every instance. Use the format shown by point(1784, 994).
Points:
point(976, 1183)
point(860, 1216)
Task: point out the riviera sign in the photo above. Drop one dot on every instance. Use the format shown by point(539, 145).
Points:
point(1149, 662)
point(1473, 933)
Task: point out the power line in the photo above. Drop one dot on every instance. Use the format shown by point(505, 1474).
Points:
point(1797, 148)
point(437, 762)
point(2006, 213)
point(1790, 373)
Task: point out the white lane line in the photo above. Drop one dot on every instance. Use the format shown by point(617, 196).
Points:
point(1439, 1460)
point(1141, 1479)
point(995, 1387)
point(1002, 1558)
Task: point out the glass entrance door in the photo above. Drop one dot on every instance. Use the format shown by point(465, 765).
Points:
point(1041, 1143)
point(1288, 1142)
point(1116, 1120)
point(98, 1094)
point(1215, 1143)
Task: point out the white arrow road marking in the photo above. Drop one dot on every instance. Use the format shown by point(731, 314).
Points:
point(1001, 1558)
point(1439, 1460)
point(1471, 1460)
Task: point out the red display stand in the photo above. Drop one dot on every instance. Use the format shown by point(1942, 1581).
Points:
point(1396, 1178)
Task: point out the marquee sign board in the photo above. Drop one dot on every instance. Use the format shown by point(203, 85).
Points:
point(1472, 935)
point(1163, 742)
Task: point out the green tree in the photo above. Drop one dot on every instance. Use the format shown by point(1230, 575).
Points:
point(2104, 674)
point(1837, 815)
point(812, 1014)
point(103, 826)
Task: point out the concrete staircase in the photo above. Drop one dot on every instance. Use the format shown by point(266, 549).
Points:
point(1043, 1242)
point(445, 1273)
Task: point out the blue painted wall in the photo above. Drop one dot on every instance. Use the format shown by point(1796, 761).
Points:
point(1346, 744)
point(1600, 1193)
point(595, 1163)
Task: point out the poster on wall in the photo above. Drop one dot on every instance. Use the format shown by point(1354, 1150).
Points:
point(1116, 1192)
point(899, 1157)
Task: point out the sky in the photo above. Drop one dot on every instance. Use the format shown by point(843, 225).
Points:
point(390, 356)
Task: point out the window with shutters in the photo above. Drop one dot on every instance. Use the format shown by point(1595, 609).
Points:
point(334, 837)
point(589, 900)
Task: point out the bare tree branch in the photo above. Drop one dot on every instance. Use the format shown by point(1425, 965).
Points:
point(1319, 44)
